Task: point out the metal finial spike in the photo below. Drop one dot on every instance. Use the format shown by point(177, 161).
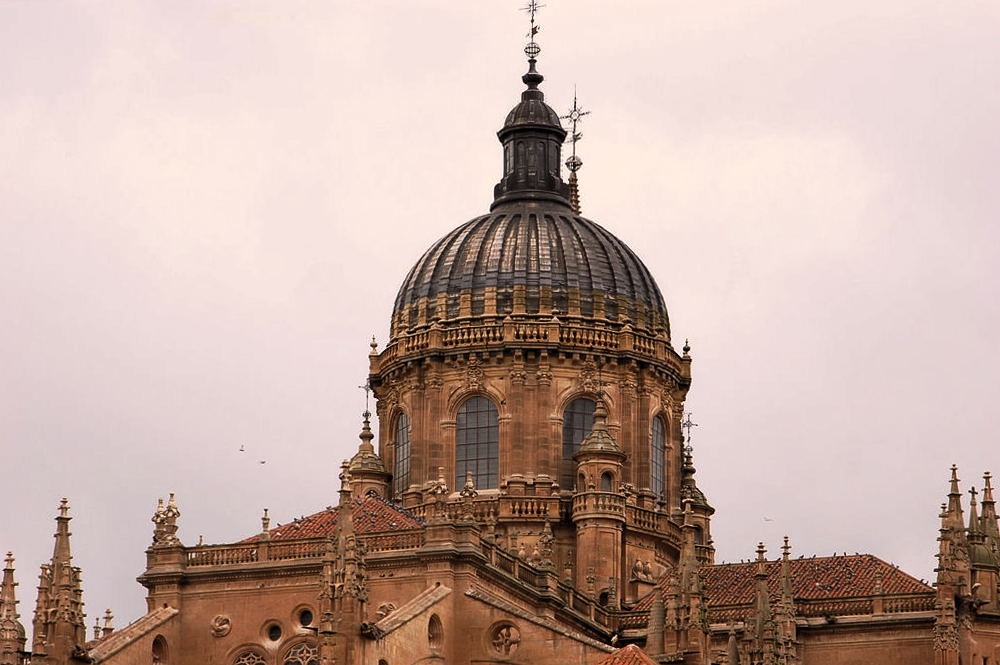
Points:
point(367, 387)
point(532, 49)
point(687, 424)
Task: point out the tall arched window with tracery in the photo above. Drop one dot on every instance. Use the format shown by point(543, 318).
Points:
point(477, 443)
point(578, 420)
point(658, 458)
point(401, 469)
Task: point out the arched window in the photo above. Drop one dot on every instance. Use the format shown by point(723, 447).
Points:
point(302, 653)
point(578, 419)
point(607, 482)
point(477, 443)
point(435, 632)
point(160, 651)
point(401, 472)
point(249, 657)
point(657, 458)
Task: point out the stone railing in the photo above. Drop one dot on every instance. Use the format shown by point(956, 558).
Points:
point(544, 580)
point(472, 336)
point(292, 550)
point(495, 334)
point(223, 555)
point(922, 603)
point(643, 518)
point(607, 503)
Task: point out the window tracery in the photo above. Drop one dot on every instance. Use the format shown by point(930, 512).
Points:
point(578, 419)
point(657, 464)
point(401, 471)
point(249, 657)
point(303, 653)
point(477, 443)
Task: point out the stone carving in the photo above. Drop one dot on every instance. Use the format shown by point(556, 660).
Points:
point(384, 610)
point(468, 493)
point(642, 571)
point(589, 377)
point(221, 625)
point(474, 374)
point(945, 637)
point(505, 638)
point(165, 523)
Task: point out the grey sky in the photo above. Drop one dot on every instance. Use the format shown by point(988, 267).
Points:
point(206, 209)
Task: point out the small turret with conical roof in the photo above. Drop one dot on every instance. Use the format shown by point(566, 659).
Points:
point(701, 511)
point(366, 468)
point(599, 510)
point(12, 635)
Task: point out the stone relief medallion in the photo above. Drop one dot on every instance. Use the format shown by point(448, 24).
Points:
point(221, 625)
point(504, 638)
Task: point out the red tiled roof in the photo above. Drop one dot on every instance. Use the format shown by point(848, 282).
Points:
point(370, 516)
point(628, 655)
point(818, 578)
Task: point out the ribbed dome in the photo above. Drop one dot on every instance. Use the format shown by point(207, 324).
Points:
point(530, 259)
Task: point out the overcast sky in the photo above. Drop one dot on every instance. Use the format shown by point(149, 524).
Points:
point(207, 208)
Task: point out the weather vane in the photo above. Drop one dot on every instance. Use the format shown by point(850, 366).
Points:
point(575, 116)
point(532, 49)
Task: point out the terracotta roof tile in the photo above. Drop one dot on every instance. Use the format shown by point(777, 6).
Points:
point(817, 578)
point(370, 516)
point(627, 655)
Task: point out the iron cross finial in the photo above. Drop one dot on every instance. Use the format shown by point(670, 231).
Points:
point(532, 49)
point(687, 424)
point(575, 116)
point(368, 389)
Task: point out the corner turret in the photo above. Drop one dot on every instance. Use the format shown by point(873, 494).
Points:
point(366, 468)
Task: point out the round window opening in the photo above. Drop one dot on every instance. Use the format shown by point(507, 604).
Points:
point(274, 632)
point(505, 638)
point(305, 618)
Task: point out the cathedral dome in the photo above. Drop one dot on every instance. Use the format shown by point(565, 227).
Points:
point(531, 259)
point(533, 256)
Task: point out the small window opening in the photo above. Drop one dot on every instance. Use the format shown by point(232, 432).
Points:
point(274, 632)
point(607, 482)
point(435, 632)
point(305, 618)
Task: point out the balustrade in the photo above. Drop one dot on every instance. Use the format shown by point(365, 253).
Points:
point(600, 502)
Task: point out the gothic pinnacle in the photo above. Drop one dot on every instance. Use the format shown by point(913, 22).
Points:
point(8, 600)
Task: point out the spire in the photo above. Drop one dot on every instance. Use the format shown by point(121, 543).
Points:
point(59, 630)
point(8, 600)
point(954, 510)
point(532, 138)
point(599, 439)
point(974, 525)
point(61, 551)
point(12, 636)
point(762, 602)
point(989, 516)
point(787, 595)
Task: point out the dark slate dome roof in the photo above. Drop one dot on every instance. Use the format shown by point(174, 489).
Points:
point(564, 265)
point(532, 256)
